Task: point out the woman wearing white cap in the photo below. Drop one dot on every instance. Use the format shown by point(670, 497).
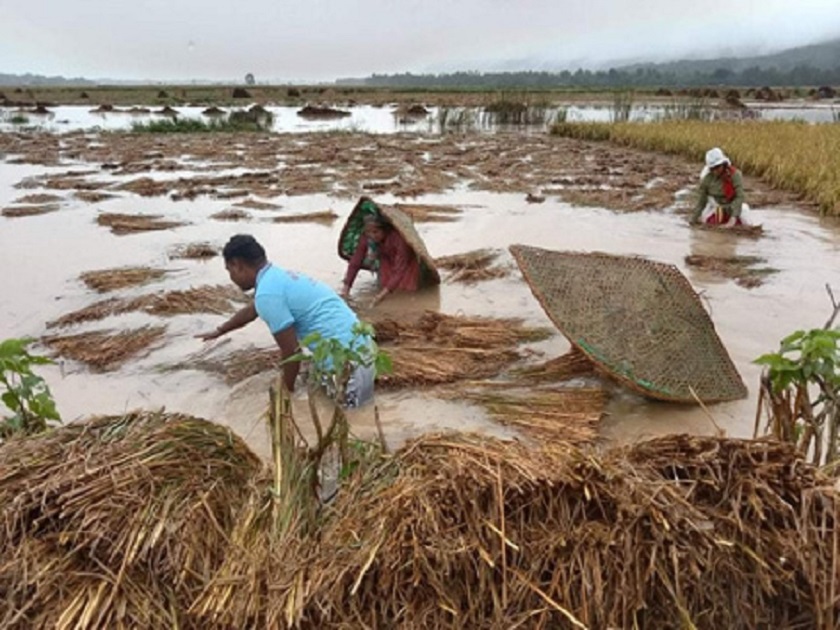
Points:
point(721, 195)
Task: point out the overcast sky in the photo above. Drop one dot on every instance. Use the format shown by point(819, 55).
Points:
point(315, 40)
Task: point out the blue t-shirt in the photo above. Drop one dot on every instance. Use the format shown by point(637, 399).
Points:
point(286, 298)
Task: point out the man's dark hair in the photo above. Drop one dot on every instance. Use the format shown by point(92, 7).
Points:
point(244, 247)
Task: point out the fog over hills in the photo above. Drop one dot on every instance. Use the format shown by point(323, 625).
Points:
point(821, 56)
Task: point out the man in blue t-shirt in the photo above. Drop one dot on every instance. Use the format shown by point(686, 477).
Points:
point(293, 306)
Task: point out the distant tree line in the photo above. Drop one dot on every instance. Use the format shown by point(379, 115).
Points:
point(799, 76)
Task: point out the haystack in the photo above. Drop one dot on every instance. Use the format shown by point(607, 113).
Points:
point(352, 231)
point(116, 522)
point(637, 320)
point(466, 532)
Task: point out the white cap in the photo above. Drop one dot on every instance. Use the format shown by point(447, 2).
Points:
point(715, 157)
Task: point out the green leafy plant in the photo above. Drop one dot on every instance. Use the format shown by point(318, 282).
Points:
point(800, 391)
point(25, 394)
point(299, 467)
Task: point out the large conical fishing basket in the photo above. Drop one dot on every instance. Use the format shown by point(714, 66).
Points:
point(354, 227)
point(637, 320)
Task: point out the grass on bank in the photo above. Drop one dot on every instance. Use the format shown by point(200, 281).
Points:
point(237, 121)
point(794, 156)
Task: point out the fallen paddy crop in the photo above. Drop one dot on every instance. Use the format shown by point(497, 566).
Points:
point(323, 216)
point(558, 414)
point(794, 156)
point(430, 213)
point(471, 267)
point(105, 349)
point(439, 348)
point(28, 211)
point(107, 280)
point(201, 251)
point(739, 268)
point(121, 224)
point(206, 299)
point(231, 214)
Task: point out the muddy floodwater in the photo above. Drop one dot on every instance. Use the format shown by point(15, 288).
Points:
point(509, 188)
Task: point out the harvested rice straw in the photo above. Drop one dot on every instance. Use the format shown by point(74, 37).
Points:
point(429, 213)
point(416, 364)
point(325, 216)
point(194, 250)
point(571, 415)
point(105, 349)
point(733, 267)
point(126, 524)
point(28, 211)
point(238, 365)
point(113, 279)
point(207, 299)
point(231, 214)
point(460, 331)
point(477, 258)
point(473, 266)
point(570, 365)
point(121, 224)
point(473, 532)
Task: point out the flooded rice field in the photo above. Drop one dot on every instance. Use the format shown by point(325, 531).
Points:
point(382, 119)
point(76, 203)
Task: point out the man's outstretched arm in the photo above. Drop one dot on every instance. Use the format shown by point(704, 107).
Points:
point(242, 317)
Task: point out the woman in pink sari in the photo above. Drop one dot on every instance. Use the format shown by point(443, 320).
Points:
point(396, 264)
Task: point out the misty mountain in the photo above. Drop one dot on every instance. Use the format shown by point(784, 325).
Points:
point(824, 56)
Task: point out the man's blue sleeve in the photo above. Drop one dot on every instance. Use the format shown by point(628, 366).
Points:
point(274, 311)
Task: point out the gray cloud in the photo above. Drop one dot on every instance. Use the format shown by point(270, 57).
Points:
point(325, 39)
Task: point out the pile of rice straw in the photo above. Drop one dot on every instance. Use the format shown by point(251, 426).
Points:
point(154, 521)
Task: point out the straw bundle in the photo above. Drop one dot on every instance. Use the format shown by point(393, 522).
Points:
point(738, 268)
point(472, 266)
point(29, 211)
point(440, 348)
point(429, 213)
point(231, 214)
point(117, 521)
point(238, 365)
point(570, 365)
point(324, 216)
point(112, 279)
point(457, 531)
point(570, 415)
point(194, 250)
point(105, 349)
point(129, 223)
point(214, 299)
point(459, 331)
point(425, 364)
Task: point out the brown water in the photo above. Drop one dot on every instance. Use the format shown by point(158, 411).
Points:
point(42, 257)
